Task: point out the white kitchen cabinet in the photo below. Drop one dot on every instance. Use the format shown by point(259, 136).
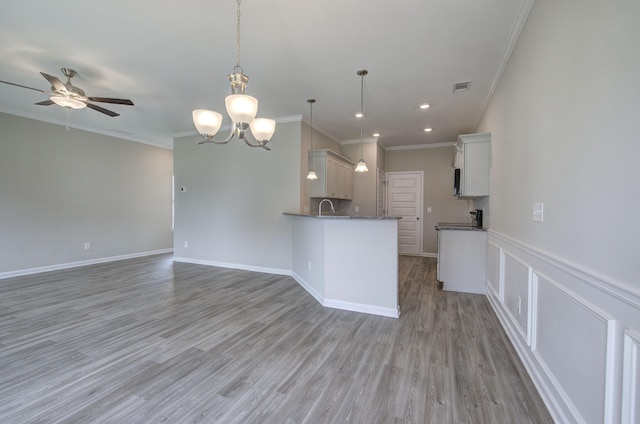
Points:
point(473, 159)
point(335, 175)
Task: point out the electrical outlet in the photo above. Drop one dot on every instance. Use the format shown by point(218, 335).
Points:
point(428, 209)
point(87, 246)
point(186, 244)
point(356, 209)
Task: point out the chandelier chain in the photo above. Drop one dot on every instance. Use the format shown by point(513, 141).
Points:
point(238, 38)
point(362, 112)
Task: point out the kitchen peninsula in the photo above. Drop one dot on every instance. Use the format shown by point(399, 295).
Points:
point(348, 262)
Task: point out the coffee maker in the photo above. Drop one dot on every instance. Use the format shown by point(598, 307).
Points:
point(476, 219)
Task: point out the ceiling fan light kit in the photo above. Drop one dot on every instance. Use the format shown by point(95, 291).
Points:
point(71, 97)
point(67, 102)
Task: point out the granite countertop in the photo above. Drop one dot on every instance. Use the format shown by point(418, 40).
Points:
point(380, 218)
point(458, 226)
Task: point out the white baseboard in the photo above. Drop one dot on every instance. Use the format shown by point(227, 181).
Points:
point(346, 306)
point(57, 267)
point(429, 255)
point(313, 292)
point(359, 307)
point(243, 267)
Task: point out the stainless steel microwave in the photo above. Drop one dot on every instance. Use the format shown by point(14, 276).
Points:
point(456, 182)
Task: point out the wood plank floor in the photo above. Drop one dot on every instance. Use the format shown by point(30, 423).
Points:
point(148, 341)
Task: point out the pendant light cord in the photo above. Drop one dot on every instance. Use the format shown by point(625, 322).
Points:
point(362, 112)
point(311, 102)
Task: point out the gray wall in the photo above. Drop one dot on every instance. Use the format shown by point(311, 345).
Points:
point(231, 213)
point(320, 142)
point(364, 183)
point(435, 163)
point(565, 124)
point(60, 189)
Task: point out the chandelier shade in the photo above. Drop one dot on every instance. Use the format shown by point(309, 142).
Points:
point(207, 122)
point(241, 108)
point(262, 128)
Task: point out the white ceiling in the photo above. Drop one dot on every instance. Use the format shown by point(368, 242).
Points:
point(172, 57)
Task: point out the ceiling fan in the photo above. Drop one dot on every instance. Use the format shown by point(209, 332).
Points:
point(72, 97)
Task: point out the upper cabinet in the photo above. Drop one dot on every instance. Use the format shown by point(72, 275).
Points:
point(335, 175)
point(473, 159)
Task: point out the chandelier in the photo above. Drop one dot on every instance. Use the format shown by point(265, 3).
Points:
point(241, 107)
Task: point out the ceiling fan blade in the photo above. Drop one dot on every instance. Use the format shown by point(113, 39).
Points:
point(55, 82)
point(103, 110)
point(45, 103)
point(110, 100)
point(24, 86)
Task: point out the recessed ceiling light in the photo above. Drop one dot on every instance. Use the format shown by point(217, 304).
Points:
point(376, 134)
point(359, 115)
point(428, 129)
point(425, 106)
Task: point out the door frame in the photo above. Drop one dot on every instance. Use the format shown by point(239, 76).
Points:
point(420, 202)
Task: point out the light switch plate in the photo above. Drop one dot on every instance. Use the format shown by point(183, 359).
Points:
point(538, 212)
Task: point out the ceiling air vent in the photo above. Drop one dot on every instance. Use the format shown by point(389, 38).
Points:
point(461, 86)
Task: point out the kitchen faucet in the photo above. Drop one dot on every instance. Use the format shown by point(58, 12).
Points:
point(333, 211)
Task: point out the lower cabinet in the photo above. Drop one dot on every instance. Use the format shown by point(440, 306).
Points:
point(462, 260)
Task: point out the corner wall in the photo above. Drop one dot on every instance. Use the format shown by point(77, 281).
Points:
point(231, 212)
point(564, 123)
point(60, 190)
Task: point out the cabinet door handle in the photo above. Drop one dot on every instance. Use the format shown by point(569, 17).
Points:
point(418, 218)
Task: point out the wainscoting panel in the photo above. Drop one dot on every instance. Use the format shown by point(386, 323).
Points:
point(571, 341)
point(517, 286)
point(631, 378)
point(577, 332)
point(494, 271)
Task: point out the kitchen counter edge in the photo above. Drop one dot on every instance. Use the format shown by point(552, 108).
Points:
point(445, 227)
point(379, 218)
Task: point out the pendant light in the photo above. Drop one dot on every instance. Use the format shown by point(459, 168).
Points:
point(362, 165)
point(241, 108)
point(312, 174)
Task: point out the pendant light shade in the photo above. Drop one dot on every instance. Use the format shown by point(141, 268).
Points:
point(311, 175)
point(361, 166)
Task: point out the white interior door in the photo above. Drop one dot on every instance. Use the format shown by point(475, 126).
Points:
point(404, 198)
